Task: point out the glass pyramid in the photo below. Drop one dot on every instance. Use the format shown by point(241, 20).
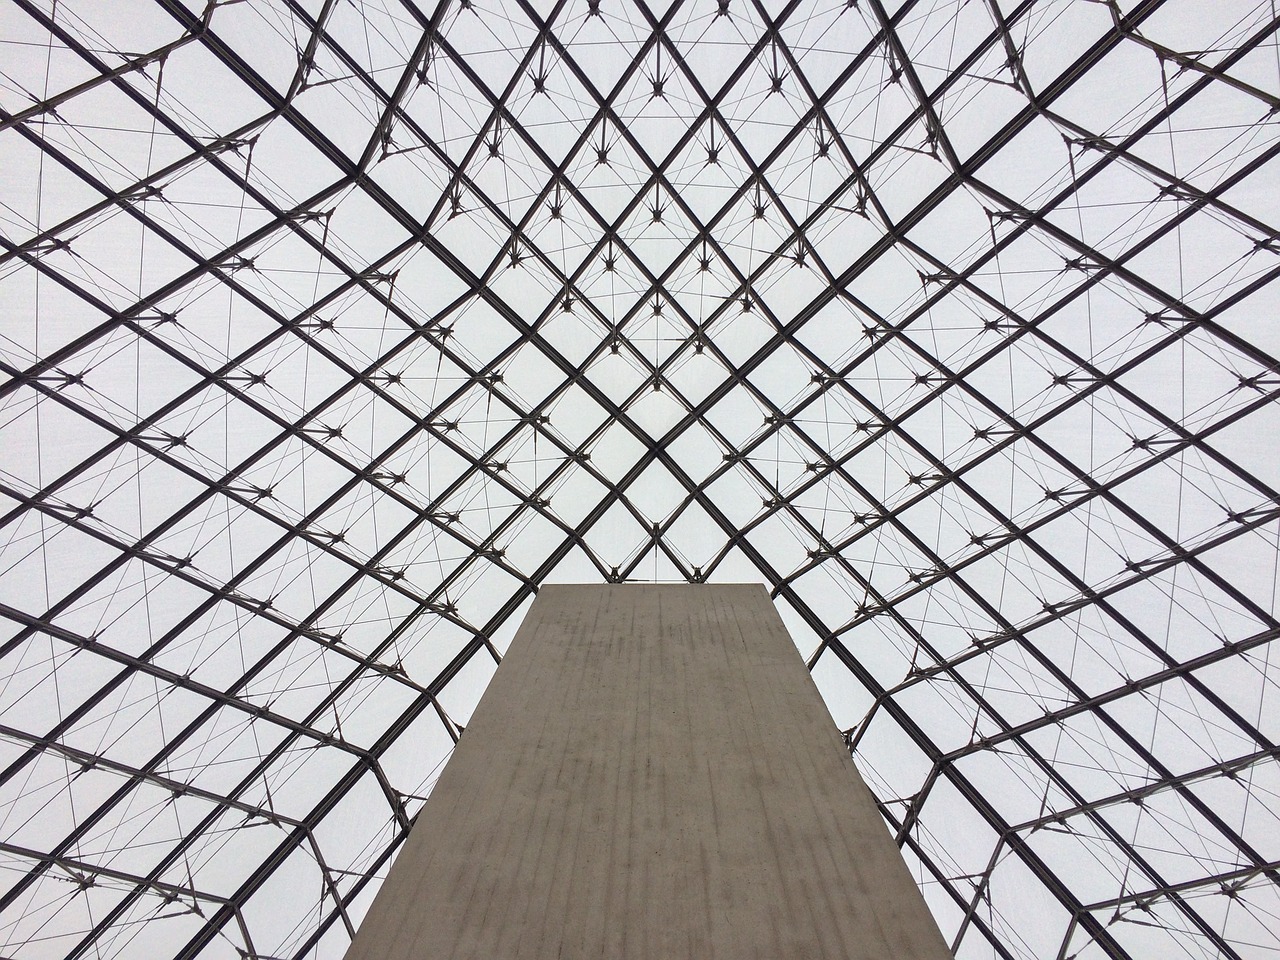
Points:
point(333, 328)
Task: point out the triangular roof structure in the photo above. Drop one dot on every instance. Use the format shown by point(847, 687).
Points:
point(335, 328)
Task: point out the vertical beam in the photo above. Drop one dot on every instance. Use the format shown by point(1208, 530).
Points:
point(651, 773)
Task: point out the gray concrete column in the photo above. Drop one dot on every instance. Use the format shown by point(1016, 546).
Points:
point(652, 775)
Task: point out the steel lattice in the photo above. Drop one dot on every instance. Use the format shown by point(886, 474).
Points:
point(333, 328)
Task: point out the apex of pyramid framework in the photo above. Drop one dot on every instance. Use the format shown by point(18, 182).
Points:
point(333, 330)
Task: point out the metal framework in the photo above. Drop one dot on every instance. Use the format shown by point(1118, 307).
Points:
point(333, 328)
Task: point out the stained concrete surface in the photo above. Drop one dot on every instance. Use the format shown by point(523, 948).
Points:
point(650, 774)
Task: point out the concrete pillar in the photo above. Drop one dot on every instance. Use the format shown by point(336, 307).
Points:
point(651, 774)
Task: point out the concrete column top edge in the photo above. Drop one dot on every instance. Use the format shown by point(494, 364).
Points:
point(556, 587)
